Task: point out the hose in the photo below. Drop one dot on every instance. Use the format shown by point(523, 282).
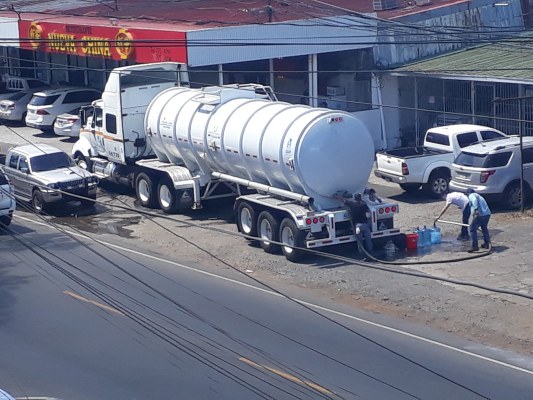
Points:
point(465, 258)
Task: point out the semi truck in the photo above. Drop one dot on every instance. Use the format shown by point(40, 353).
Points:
point(283, 163)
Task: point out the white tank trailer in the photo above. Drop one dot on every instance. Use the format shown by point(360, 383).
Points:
point(303, 150)
point(283, 162)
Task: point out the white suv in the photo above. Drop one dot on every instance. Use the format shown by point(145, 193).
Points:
point(493, 170)
point(44, 107)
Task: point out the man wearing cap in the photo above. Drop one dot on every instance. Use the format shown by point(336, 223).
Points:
point(460, 200)
point(480, 218)
point(359, 213)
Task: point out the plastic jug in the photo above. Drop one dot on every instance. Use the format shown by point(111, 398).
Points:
point(435, 235)
point(422, 242)
point(427, 236)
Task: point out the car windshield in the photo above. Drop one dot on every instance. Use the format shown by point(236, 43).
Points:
point(51, 161)
point(17, 96)
point(37, 100)
point(483, 160)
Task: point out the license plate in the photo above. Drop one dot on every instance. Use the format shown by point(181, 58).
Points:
point(462, 176)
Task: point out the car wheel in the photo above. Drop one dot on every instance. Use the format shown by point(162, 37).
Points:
point(512, 196)
point(247, 220)
point(5, 220)
point(268, 231)
point(146, 190)
point(292, 239)
point(37, 202)
point(437, 184)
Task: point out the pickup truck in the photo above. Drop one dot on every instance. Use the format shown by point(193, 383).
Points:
point(45, 175)
point(429, 165)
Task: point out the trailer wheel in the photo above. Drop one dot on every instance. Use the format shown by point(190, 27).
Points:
point(146, 191)
point(247, 220)
point(166, 196)
point(268, 230)
point(400, 241)
point(292, 239)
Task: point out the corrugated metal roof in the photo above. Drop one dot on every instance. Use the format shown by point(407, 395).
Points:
point(218, 12)
point(510, 59)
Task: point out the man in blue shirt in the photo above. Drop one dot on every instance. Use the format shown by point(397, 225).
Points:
point(480, 218)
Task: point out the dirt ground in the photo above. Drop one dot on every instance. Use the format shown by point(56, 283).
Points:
point(494, 319)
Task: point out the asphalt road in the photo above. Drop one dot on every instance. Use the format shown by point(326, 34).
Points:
point(81, 321)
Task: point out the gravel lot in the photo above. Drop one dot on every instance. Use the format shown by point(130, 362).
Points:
point(500, 320)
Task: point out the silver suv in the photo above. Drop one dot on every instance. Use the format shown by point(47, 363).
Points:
point(44, 107)
point(493, 170)
point(44, 175)
point(7, 200)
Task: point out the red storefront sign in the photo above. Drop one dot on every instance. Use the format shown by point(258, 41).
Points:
point(113, 42)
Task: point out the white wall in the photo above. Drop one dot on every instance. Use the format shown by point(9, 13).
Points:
point(9, 28)
point(292, 38)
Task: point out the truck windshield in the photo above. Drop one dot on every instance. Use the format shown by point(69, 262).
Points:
point(483, 160)
point(51, 161)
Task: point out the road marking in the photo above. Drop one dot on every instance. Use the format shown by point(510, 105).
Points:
point(94, 303)
point(287, 376)
point(315, 306)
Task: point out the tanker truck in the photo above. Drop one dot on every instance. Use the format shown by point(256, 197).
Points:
point(283, 163)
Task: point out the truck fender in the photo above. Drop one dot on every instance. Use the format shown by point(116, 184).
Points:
point(83, 146)
point(433, 166)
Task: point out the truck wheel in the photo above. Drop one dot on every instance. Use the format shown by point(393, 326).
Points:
point(437, 184)
point(5, 220)
point(410, 187)
point(293, 239)
point(37, 202)
point(511, 196)
point(268, 230)
point(146, 190)
point(166, 196)
point(84, 162)
point(247, 220)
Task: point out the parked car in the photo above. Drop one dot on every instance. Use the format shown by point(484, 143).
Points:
point(15, 84)
point(429, 165)
point(44, 107)
point(7, 200)
point(493, 170)
point(43, 174)
point(67, 124)
point(15, 107)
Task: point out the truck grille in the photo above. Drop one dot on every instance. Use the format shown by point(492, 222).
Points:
point(71, 184)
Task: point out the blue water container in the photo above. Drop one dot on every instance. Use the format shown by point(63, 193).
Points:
point(427, 236)
point(435, 235)
point(423, 237)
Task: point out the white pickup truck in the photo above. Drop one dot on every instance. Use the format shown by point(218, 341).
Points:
point(429, 165)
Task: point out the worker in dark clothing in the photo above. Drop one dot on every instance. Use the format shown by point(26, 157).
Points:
point(359, 213)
